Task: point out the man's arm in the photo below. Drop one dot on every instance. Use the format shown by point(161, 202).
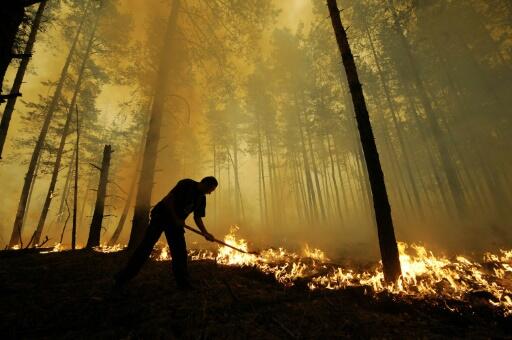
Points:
point(200, 225)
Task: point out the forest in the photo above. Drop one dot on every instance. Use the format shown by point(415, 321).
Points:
point(361, 148)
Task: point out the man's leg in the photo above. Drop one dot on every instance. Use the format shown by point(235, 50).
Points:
point(141, 253)
point(178, 247)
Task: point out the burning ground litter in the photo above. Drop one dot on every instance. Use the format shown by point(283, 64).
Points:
point(424, 275)
point(66, 294)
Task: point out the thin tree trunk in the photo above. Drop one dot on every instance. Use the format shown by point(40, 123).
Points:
point(215, 202)
point(29, 200)
point(262, 185)
point(97, 217)
point(394, 118)
point(145, 187)
point(271, 182)
point(300, 183)
point(20, 74)
point(65, 133)
point(397, 173)
point(129, 198)
point(387, 241)
point(334, 182)
point(84, 199)
point(307, 172)
point(315, 175)
point(340, 176)
point(18, 222)
point(327, 185)
point(453, 180)
point(239, 207)
point(75, 191)
point(66, 188)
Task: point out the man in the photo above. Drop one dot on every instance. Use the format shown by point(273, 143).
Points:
point(169, 216)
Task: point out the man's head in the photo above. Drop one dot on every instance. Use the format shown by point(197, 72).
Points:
point(208, 184)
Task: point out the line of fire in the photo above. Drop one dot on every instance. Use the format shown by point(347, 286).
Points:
point(256, 169)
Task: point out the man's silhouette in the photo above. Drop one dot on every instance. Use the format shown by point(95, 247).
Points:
point(169, 216)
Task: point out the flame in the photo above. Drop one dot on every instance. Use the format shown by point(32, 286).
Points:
point(109, 249)
point(57, 247)
point(423, 273)
point(315, 254)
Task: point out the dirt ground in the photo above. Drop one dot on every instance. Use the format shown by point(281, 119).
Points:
point(68, 295)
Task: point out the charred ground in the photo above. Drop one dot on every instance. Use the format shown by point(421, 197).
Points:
point(68, 294)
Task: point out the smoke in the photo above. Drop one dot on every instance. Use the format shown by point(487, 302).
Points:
point(208, 94)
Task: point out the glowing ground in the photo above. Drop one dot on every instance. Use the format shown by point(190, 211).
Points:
point(68, 295)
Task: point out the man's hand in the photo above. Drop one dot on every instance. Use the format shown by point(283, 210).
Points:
point(208, 236)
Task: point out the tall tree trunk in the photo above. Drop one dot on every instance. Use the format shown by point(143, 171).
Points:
point(216, 198)
point(20, 74)
point(145, 187)
point(334, 182)
point(435, 173)
point(401, 139)
point(66, 189)
point(271, 181)
point(396, 171)
point(84, 198)
point(263, 187)
point(296, 190)
point(307, 173)
point(359, 157)
point(29, 200)
point(387, 241)
point(449, 169)
point(18, 222)
point(65, 133)
point(239, 207)
point(302, 187)
point(97, 217)
point(315, 176)
point(75, 191)
point(340, 176)
point(129, 198)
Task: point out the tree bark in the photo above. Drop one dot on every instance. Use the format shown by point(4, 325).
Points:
point(20, 74)
point(387, 241)
point(145, 187)
point(18, 222)
point(97, 217)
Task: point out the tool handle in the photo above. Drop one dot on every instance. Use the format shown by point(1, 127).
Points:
point(217, 241)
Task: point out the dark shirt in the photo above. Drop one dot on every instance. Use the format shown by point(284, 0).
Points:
point(187, 198)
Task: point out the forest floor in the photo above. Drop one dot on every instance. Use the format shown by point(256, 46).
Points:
point(68, 295)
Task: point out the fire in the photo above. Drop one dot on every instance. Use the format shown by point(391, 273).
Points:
point(315, 254)
point(56, 248)
point(423, 273)
point(109, 249)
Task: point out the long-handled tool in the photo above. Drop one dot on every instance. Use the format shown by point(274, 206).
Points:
point(222, 242)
